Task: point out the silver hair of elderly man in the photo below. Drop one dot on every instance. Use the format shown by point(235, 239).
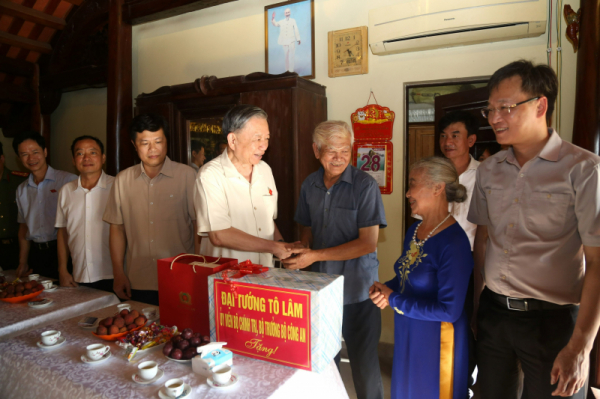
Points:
point(330, 129)
point(236, 118)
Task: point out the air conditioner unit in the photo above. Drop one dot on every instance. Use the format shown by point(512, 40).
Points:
point(416, 25)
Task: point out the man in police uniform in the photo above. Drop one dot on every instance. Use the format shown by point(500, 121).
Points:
point(9, 227)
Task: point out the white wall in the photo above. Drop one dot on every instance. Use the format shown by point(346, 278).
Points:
point(80, 113)
point(229, 40)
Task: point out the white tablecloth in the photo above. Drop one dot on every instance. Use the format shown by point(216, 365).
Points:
point(31, 372)
point(18, 318)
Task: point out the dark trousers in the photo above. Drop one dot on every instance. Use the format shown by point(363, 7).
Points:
point(104, 285)
point(9, 253)
point(43, 259)
point(505, 337)
point(361, 328)
point(145, 296)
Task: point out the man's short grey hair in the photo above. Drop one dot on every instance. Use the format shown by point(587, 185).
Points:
point(327, 130)
point(236, 118)
point(442, 170)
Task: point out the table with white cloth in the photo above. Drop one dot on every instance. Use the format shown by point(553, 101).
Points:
point(18, 318)
point(31, 372)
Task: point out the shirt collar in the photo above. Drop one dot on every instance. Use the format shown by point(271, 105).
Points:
point(101, 182)
point(230, 169)
point(474, 164)
point(167, 169)
point(550, 152)
point(50, 175)
point(345, 177)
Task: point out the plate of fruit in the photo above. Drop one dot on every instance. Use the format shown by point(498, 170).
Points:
point(183, 347)
point(21, 291)
point(112, 328)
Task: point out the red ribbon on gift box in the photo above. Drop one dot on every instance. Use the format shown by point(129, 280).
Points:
point(243, 268)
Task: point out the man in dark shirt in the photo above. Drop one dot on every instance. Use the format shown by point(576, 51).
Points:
point(341, 210)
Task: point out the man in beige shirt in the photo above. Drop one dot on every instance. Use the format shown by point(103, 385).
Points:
point(537, 246)
point(150, 211)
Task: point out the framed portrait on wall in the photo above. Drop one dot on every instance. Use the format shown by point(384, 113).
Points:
point(290, 38)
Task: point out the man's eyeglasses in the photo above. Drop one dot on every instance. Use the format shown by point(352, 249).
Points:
point(505, 110)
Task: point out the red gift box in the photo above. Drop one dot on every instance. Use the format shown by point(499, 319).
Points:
point(183, 290)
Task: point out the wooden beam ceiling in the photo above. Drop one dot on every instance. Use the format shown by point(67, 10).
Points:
point(22, 42)
point(7, 7)
point(13, 66)
point(13, 93)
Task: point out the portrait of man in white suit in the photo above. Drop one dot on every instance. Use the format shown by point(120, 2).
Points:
point(289, 44)
point(288, 36)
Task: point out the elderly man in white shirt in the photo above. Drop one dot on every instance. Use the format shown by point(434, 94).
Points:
point(236, 197)
point(81, 230)
point(288, 36)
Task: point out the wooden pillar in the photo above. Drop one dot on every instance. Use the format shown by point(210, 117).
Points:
point(586, 128)
point(119, 151)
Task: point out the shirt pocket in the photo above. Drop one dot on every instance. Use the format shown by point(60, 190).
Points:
point(169, 207)
point(495, 203)
point(270, 204)
point(547, 213)
point(341, 226)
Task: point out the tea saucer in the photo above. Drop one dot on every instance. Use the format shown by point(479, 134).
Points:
point(187, 390)
point(54, 287)
point(85, 359)
point(232, 381)
point(58, 343)
point(137, 378)
point(43, 305)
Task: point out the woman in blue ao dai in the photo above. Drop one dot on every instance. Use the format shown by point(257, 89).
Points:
point(428, 293)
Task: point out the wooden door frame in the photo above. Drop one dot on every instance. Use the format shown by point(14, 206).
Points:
point(425, 83)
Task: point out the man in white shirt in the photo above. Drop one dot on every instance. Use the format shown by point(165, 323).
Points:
point(81, 230)
point(236, 197)
point(288, 36)
point(458, 133)
point(37, 198)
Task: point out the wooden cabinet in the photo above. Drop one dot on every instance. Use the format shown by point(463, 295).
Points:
point(295, 107)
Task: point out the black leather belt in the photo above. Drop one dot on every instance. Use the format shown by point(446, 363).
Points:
point(44, 245)
point(525, 304)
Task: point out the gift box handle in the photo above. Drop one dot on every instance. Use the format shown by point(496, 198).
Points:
point(193, 265)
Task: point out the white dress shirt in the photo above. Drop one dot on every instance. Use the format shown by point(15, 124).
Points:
point(80, 210)
point(224, 199)
point(461, 210)
point(37, 204)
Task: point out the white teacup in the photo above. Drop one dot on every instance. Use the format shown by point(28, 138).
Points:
point(96, 351)
point(122, 306)
point(150, 313)
point(148, 370)
point(50, 337)
point(174, 387)
point(47, 284)
point(222, 376)
point(34, 277)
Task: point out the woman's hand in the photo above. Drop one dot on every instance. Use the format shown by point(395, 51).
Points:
point(379, 294)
